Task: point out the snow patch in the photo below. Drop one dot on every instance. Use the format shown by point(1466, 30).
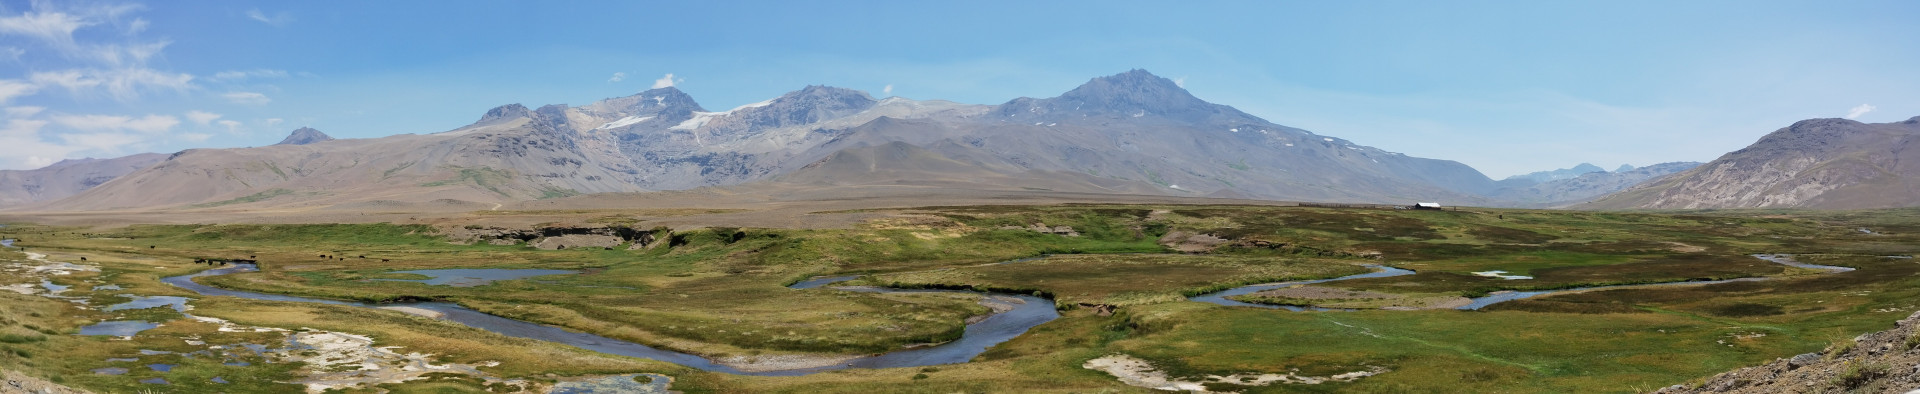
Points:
point(698, 119)
point(754, 105)
point(624, 122)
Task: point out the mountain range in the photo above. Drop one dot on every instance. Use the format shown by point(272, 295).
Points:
point(1128, 133)
point(1815, 163)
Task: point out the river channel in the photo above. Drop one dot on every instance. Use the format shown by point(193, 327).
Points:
point(1220, 298)
point(1026, 312)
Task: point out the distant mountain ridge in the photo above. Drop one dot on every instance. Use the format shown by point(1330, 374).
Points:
point(1814, 163)
point(1586, 186)
point(67, 178)
point(1129, 133)
point(1564, 173)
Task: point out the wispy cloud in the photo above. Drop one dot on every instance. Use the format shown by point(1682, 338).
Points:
point(274, 122)
point(202, 117)
point(233, 126)
point(55, 28)
point(11, 88)
point(147, 124)
point(23, 111)
point(1863, 109)
point(1181, 81)
point(247, 98)
point(887, 91)
point(276, 20)
point(617, 77)
point(123, 84)
point(241, 75)
point(117, 68)
point(667, 81)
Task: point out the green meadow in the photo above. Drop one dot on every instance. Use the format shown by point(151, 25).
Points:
point(721, 292)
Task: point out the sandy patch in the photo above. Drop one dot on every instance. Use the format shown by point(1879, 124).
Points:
point(1188, 242)
point(1360, 299)
point(1685, 248)
point(764, 363)
point(1139, 373)
point(416, 311)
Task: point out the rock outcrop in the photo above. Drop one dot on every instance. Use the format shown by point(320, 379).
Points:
point(1880, 362)
point(559, 237)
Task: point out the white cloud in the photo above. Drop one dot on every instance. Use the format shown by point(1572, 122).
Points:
point(617, 77)
point(147, 124)
point(22, 127)
point(22, 148)
point(272, 122)
point(277, 20)
point(202, 117)
point(112, 143)
point(887, 91)
point(195, 137)
point(1181, 82)
point(109, 64)
point(667, 81)
point(23, 112)
point(10, 88)
point(238, 75)
point(1863, 109)
point(232, 126)
point(247, 98)
point(56, 28)
point(39, 162)
point(122, 84)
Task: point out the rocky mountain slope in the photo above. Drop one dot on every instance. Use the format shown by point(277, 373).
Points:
point(1586, 186)
point(1815, 163)
point(1132, 132)
point(67, 178)
point(303, 136)
point(1880, 362)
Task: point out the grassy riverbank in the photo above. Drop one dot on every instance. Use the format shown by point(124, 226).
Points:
point(720, 292)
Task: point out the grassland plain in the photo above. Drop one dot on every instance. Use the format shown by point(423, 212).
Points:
point(720, 292)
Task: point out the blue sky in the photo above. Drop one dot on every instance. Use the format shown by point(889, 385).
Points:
point(1507, 87)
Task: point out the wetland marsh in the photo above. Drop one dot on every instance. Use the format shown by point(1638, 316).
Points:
point(720, 305)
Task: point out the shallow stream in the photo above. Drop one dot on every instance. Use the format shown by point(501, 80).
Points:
point(1028, 312)
point(1220, 297)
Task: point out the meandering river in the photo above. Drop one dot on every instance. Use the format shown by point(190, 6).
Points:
point(1026, 312)
point(1220, 297)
